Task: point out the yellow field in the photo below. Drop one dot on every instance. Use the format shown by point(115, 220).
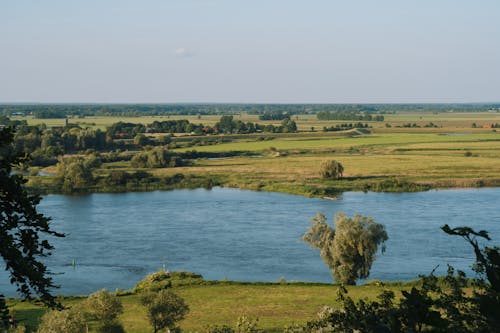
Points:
point(455, 155)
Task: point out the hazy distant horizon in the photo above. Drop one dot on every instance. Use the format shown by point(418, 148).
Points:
point(252, 52)
point(250, 103)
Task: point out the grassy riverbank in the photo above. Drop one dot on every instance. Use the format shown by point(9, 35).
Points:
point(381, 160)
point(276, 305)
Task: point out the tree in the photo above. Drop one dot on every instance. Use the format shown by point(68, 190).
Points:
point(164, 309)
point(4, 315)
point(331, 170)
point(141, 140)
point(70, 320)
point(158, 157)
point(226, 124)
point(349, 249)
point(449, 304)
point(104, 307)
point(23, 229)
point(76, 172)
point(486, 299)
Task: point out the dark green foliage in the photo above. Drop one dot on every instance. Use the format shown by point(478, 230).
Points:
point(112, 327)
point(158, 157)
point(354, 115)
point(47, 114)
point(123, 130)
point(4, 314)
point(136, 110)
point(22, 229)
point(345, 126)
point(438, 305)
point(164, 309)
point(4, 120)
point(46, 144)
point(141, 140)
point(76, 172)
point(274, 116)
point(486, 296)
point(227, 125)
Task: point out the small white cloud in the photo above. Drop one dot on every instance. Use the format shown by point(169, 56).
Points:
point(182, 52)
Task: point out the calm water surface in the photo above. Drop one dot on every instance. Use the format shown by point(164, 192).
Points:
point(117, 239)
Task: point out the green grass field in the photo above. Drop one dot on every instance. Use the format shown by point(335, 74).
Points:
point(276, 305)
point(436, 157)
point(304, 122)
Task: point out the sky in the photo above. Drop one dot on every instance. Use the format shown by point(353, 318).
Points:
point(249, 51)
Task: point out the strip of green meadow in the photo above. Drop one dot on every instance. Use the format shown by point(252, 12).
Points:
point(276, 305)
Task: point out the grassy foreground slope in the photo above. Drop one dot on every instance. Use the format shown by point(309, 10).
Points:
point(276, 305)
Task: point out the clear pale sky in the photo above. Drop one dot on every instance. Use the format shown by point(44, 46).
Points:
point(250, 51)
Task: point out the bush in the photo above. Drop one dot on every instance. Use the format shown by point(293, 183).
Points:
point(154, 282)
point(331, 170)
point(164, 309)
point(104, 307)
point(163, 280)
point(156, 158)
point(65, 321)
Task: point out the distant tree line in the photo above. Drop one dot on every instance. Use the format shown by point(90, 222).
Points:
point(274, 116)
point(495, 125)
point(267, 110)
point(327, 115)
point(415, 125)
point(228, 125)
point(345, 126)
point(45, 144)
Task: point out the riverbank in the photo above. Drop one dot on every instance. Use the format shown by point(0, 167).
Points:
point(222, 302)
point(379, 162)
point(190, 178)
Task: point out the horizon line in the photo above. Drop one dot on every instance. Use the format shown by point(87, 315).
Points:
point(250, 103)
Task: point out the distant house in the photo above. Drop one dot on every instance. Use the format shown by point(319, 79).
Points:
point(486, 126)
point(121, 135)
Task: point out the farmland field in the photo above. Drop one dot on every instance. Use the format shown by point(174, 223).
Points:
point(451, 153)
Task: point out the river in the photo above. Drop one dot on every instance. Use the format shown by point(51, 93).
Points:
point(114, 240)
